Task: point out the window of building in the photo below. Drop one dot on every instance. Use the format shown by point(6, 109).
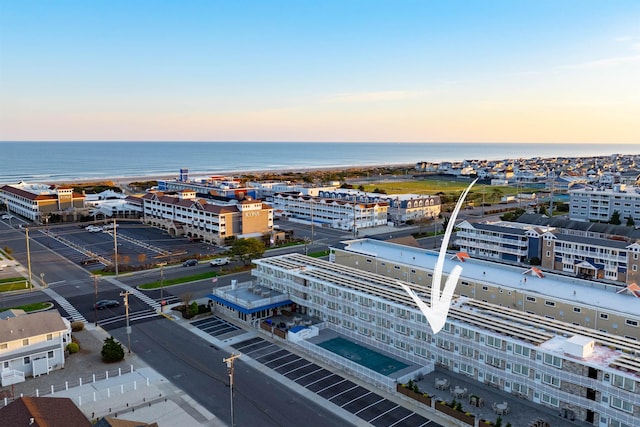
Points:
point(623, 382)
point(577, 309)
point(552, 360)
point(494, 342)
point(467, 369)
point(623, 405)
point(26, 360)
point(521, 350)
point(517, 368)
point(4, 346)
point(25, 342)
point(551, 380)
point(520, 388)
point(549, 400)
point(531, 299)
point(49, 337)
point(604, 316)
point(550, 303)
point(630, 322)
point(50, 354)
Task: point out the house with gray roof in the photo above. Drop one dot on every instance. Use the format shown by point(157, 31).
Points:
point(32, 345)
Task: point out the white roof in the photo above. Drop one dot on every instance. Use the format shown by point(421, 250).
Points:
point(561, 288)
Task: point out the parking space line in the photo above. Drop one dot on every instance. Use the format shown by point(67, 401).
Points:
point(285, 364)
point(357, 398)
point(299, 367)
point(384, 413)
point(373, 404)
point(245, 351)
point(342, 392)
point(321, 379)
point(312, 372)
point(281, 357)
point(399, 421)
point(331, 385)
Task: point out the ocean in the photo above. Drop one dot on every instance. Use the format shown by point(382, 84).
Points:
point(76, 161)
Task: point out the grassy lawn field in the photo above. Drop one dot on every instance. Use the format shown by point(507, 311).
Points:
point(36, 306)
point(447, 187)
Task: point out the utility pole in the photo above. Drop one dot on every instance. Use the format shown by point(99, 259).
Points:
point(95, 300)
point(26, 233)
point(312, 231)
point(115, 251)
point(229, 361)
point(355, 228)
point(162, 264)
point(126, 294)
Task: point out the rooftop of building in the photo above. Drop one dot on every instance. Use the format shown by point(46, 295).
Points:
point(619, 353)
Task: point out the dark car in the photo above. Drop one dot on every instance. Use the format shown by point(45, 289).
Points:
point(107, 303)
point(190, 263)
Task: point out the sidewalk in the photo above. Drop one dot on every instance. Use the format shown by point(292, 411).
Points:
point(128, 389)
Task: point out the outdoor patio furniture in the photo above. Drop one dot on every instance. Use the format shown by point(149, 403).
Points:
point(501, 408)
point(442, 384)
point(459, 392)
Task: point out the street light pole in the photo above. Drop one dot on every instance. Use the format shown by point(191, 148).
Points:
point(125, 294)
point(229, 361)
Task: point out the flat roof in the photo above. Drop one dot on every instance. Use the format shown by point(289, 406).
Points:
point(567, 289)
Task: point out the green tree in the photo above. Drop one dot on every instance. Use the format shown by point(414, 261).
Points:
point(445, 222)
point(247, 250)
point(512, 216)
point(615, 218)
point(630, 221)
point(496, 195)
point(542, 210)
point(112, 350)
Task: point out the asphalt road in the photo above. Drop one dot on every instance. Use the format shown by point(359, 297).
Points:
point(187, 360)
point(192, 364)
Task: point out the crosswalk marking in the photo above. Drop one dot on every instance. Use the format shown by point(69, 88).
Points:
point(66, 305)
point(141, 296)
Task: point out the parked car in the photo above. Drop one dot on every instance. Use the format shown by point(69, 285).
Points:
point(219, 261)
point(190, 263)
point(107, 303)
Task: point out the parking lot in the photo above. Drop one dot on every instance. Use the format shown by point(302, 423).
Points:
point(365, 404)
point(137, 244)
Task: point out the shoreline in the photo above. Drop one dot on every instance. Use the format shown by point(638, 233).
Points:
point(124, 180)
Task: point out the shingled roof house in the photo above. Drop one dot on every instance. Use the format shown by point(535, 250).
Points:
point(32, 345)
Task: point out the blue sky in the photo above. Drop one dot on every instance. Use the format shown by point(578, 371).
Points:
point(497, 71)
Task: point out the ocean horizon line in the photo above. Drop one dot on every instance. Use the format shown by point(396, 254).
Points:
point(197, 141)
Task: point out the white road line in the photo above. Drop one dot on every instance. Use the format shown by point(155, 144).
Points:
point(385, 413)
point(357, 398)
point(367, 407)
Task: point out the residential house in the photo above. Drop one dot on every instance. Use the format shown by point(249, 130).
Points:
point(32, 345)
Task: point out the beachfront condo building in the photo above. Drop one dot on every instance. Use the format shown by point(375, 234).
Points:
point(342, 214)
point(184, 214)
point(403, 208)
point(585, 253)
point(498, 337)
point(589, 204)
point(38, 202)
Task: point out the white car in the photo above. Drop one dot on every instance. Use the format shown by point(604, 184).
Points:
point(6, 216)
point(219, 261)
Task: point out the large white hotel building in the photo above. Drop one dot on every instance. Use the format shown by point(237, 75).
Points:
point(555, 341)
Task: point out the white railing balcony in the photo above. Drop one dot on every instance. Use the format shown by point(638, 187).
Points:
point(11, 376)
